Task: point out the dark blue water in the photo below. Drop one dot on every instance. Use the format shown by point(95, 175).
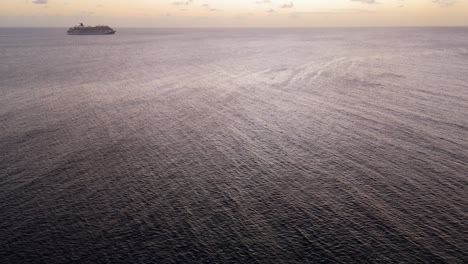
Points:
point(234, 146)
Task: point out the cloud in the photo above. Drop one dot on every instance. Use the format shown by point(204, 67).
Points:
point(401, 3)
point(182, 3)
point(365, 1)
point(444, 2)
point(39, 2)
point(331, 12)
point(263, 2)
point(271, 11)
point(290, 5)
point(209, 8)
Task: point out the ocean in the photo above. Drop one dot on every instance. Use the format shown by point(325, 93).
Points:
point(331, 145)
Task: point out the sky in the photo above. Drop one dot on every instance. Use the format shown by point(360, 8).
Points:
point(237, 13)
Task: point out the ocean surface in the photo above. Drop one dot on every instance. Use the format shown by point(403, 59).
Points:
point(234, 146)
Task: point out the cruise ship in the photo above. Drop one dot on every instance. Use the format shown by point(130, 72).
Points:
point(86, 30)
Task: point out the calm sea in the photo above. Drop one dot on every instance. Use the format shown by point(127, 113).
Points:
point(234, 146)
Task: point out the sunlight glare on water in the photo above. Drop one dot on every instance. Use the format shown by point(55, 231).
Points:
point(234, 146)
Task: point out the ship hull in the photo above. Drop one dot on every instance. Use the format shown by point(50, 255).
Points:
point(92, 33)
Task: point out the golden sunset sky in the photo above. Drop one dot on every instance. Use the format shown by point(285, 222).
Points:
point(238, 13)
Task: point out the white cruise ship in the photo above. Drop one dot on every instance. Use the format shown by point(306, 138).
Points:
point(86, 30)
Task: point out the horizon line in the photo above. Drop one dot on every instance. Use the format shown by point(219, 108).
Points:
point(259, 27)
